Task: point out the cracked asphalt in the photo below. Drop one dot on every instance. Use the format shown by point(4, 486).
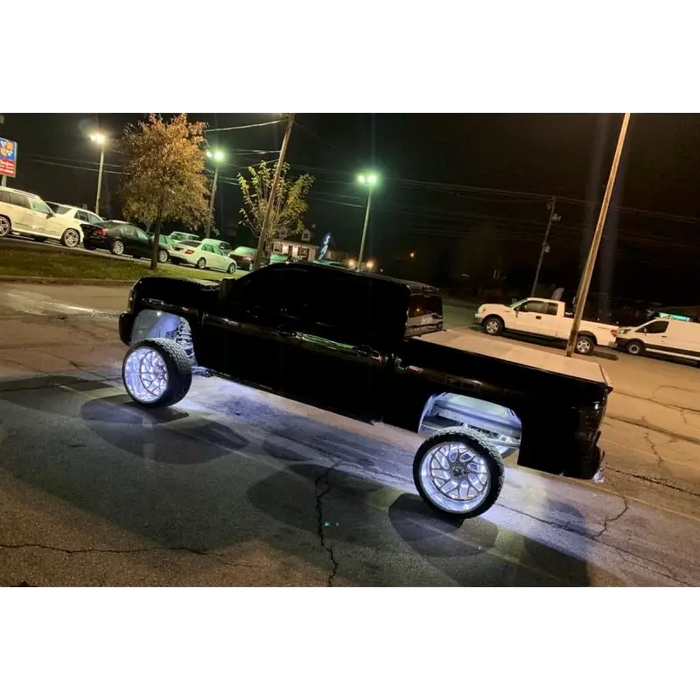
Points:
point(236, 487)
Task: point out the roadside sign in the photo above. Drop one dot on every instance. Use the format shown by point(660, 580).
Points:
point(8, 157)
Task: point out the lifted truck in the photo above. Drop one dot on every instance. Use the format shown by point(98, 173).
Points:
point(373, 348)
point(545, 318)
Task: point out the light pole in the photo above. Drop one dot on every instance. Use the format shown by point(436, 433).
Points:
point(273, 193)
point(587, 274)
point(217, 157)
point(553, 217)
point(369, 180)
point(101, 139)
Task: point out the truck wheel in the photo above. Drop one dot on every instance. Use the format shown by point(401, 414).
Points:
point(493, 325)
point(634, 347)
point(156, 372)
point(458, 473)
point(585, 345)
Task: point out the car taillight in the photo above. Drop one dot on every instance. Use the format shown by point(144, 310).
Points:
point(100, 232)
point(189, 251)
point(614, 332)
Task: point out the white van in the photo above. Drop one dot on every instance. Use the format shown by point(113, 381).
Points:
point(662, 336)
point(23, 213)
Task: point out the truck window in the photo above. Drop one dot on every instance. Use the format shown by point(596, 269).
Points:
point(533, 307)
point(656, 327)
point(552, 308)
point(278, 291)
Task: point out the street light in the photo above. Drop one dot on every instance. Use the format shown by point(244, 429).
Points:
point(218, 157)
point(369, 180)
point(100, 139)
point(598, 237)
point(411, 255)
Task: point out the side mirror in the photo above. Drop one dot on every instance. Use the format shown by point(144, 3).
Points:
point(50, 215)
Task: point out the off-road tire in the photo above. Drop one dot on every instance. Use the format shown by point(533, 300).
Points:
point(178, 366)
point(475, 442)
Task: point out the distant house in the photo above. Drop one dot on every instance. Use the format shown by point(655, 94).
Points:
point(305, 246)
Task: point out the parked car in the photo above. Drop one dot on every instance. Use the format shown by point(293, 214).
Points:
point(120, 238)
point(180, 236)
point(223, 246)
point(372, 348)
point(202, 255)
point(24, 213)
point(243, 256)
point(82, 215)
point(668, 337)
point(545, 318)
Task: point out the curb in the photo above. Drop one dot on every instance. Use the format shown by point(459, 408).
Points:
point(67, 281)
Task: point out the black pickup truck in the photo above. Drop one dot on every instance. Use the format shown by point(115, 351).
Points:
point(373, 348)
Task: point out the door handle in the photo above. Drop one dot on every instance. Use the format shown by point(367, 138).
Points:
point(538, 317)
point(663, 336)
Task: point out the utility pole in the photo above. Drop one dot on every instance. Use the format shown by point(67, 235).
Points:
point(364, 230)
point(264, 233)
point(553, 216)
point(587, 274)
point(211, 201)
point(99, 179)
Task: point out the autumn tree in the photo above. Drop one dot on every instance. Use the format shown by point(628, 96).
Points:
point(289, 206)
point(164, 162)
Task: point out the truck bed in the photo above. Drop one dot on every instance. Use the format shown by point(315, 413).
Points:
point(528, 357)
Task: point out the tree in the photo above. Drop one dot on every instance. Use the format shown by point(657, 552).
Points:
point(165, 177)
point(289, 205)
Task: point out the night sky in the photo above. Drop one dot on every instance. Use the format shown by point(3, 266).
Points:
point(466, 193)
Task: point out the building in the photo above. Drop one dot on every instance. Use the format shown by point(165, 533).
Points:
point(304, 247)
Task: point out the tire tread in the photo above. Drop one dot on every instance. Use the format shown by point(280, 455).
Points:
point(179, 370)
point(484, 445)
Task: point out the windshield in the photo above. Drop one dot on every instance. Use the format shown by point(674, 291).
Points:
point(59, 208)
point(515, 303)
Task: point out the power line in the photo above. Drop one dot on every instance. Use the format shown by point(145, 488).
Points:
point(245, 126)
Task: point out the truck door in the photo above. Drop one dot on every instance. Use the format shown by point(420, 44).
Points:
point(333, 366)
point(530, 317)
point(249, 335)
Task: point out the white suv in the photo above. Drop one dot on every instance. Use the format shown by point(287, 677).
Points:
point(26, 214)
point(87, 217)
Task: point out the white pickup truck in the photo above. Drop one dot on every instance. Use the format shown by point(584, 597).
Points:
point(544, 318)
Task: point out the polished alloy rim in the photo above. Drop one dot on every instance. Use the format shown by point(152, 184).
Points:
point(583, 345)
point(163, 256)
point(72, 238)
point(4, 227)
point(201, 263)
point(455, 477)
point(146, 375)
point(492, 327)
point(118, 247)
point(634, 349)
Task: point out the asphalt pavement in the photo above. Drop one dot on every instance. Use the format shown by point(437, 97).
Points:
point(237, 487)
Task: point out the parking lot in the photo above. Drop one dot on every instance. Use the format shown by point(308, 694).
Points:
point(234, 486)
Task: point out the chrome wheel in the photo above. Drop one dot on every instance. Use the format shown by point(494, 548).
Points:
point(117, 247)
point(584, 346)
point(201, 264)
point(493, 327)
point(163, 256)
point(4, 226)
point(634, 348)
point(146, 375)
point(455, 477)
